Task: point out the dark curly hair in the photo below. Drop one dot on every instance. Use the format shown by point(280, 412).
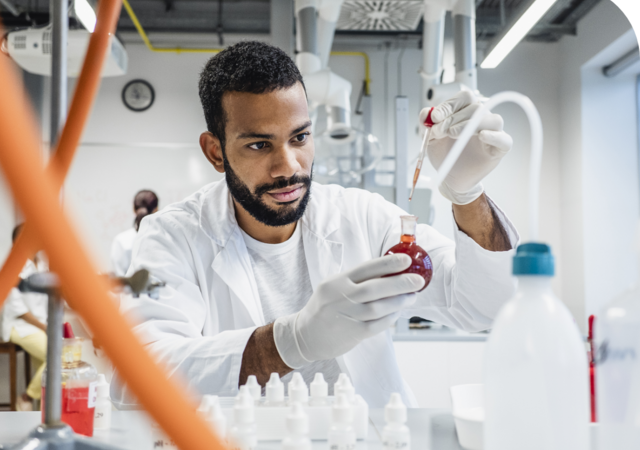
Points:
point(249, 66)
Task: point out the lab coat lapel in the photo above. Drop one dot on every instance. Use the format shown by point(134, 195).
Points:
point(323, 255)
point(232, 263)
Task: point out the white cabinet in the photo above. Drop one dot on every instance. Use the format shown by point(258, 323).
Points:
point(431, 367)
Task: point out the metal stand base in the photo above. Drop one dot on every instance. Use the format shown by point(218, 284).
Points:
point(59, 437)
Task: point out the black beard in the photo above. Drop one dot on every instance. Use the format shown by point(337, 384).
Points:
point(259, 210)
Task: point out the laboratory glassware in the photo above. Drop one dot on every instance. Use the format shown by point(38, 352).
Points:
point(428, 123)
point(211, 411)
point(102, 412)
point(319, 391)
point(396, 435)
point(79, 388)
point(617, 348)
point(420, 260)
point(536, 384)
point(242, 434)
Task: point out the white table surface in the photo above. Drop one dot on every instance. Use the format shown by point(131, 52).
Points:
point(431, 429)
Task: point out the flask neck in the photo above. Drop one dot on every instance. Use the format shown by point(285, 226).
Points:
point(534, 284)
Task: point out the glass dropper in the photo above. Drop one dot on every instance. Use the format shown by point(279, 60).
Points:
point(423, 151)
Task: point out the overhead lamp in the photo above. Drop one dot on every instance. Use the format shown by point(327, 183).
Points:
point(523, 23)
point(85, 14)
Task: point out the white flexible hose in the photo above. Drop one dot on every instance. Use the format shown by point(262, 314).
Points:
point(536, 149)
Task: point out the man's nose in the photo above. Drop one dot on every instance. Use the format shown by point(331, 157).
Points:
point(285, 163)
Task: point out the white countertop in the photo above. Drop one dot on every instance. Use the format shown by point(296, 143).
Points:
point(431, 429)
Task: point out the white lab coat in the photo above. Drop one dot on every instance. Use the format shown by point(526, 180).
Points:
point(19, 303)
point(205, 315)
point(121, 248)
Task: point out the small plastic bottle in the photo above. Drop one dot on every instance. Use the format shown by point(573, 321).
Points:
point(319, 391)
point(211, 412)
point(342, 436)
point(298, 390)
point(274, 391)
point(344, 386)
point(242, 435)
point(297, 430)
point(254, 388)
point(102, 413)
point(395, 434)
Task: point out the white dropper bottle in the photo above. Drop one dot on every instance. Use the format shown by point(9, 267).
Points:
point(344, 386)
point(274, 391)
point(395, 434)
point(243, 432)
point(342, 436)
point(298, 390)
point(102, 413)
point(254, 388)
point(536, 369)
point(211, 412)
point(319, 391)
point(297, 429)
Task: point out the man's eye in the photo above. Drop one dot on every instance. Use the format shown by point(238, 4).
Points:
point(258, 145)
point(302, 137)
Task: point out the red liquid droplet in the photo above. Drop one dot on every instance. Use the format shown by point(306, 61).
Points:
point(75, 409)
point(420, 261)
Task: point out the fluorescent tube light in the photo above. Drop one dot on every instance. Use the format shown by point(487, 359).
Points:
point(85, 14)
point(517, 32)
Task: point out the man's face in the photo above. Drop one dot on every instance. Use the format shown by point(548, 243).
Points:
point(268, 153)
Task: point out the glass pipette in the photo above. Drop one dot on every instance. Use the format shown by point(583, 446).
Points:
point(423, 151)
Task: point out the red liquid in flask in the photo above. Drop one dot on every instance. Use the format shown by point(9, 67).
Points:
point(75, 409)
point(420, 261)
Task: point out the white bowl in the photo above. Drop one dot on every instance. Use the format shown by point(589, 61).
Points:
point(468, 414)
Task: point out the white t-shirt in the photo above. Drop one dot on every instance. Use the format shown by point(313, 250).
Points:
point(121, 251)
point(284, 288)
point(19, 303)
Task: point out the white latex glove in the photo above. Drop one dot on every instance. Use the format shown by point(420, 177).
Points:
point(346, 309)
point(481, 155)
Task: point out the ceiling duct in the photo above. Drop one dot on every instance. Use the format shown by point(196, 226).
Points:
point(385, 15)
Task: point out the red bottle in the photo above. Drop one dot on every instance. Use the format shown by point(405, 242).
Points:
point(420, 261)
point(79, 384)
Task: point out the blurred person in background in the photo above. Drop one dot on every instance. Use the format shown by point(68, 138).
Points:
point(144, 203)
point(24, 322)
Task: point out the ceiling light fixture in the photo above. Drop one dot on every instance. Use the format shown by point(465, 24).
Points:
point(530, 16)
point(85, 14)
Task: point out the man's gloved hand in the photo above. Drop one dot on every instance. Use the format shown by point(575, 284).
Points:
point(481, 155)
point(346, 309)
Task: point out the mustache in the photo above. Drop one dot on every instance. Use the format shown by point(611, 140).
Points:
point(285, 182)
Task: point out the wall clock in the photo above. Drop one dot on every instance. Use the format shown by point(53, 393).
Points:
point(138, 95)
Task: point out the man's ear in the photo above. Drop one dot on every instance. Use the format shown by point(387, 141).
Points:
point(212, 150)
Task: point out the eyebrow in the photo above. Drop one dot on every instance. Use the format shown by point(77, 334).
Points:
point(251, 135)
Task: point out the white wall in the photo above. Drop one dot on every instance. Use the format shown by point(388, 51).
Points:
point(610, 178)
point(602, 26)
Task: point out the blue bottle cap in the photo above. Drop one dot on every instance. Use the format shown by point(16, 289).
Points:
point(533, 258)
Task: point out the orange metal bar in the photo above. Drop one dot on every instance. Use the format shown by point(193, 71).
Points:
point(86, 89)
point(36, 193)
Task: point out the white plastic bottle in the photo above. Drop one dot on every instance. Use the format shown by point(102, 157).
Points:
point(536, 370)
point(341, 434)
point(319, 391)
point(211, 412)
point(297, 429)
point(395, 434)
point(344, 386)
point(102, 413)
point(617, 336)
point(274, 391)
point(254, 388)
point(242, 435)
point(298, 390)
